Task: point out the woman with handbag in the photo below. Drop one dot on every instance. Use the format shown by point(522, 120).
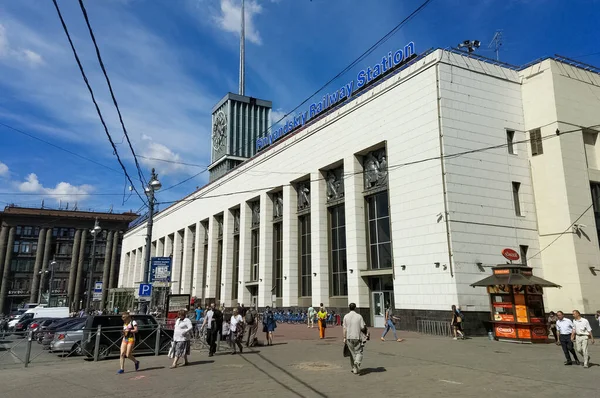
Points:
point(390, 323)
point(456, 322)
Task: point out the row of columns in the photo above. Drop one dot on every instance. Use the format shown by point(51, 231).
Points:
point(77, 270)
point(187, 275)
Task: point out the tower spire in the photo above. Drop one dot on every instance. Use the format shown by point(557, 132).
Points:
point(242, 88)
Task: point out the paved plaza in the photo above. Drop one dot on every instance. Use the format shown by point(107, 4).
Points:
point(302, 365)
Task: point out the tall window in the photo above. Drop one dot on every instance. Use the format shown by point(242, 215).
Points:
point(516, 186)
point(380, 245)
point(219, 268)
point(535, 139)
point(305, 256)
point(254, 254)
point(27, 231)
point(278, 259)
point(510, 141)
point(236, 267)
point(595, 189)
point(339, 264)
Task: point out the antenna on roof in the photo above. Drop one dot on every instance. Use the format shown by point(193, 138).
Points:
point(111, 209)
point(242, 87)
point(496, 43)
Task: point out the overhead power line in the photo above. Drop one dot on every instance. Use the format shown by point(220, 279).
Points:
point(112, 94)
point(173, 161)
point(60, 148)
point(87, 83)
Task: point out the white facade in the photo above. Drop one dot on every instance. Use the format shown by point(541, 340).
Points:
point(447, 213)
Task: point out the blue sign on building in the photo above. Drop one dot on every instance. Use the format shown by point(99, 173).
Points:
point(145, 290)
point(160, 269)
point(363, 78)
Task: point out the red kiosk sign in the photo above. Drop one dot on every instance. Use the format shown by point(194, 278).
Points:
point(510, 254)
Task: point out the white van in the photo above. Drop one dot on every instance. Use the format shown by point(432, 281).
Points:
point(41, 312)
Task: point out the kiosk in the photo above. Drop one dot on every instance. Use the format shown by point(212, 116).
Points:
point(517, 303)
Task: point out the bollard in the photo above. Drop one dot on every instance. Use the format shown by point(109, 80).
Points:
point(97, 345)
point(28, 348)
point(157, 343)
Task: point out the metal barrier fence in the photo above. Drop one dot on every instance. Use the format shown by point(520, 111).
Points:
point(435, 328)
point(21, 349)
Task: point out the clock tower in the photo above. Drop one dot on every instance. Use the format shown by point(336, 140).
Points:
point(237, 121)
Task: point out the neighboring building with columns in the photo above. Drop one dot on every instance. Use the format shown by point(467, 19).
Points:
point(388, 196)
point(31, 238)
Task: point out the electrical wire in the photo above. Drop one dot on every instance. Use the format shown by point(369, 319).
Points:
point(184, 181)
point(112, 94)
point(89, 87)
point(173, 161)
point(60, 148)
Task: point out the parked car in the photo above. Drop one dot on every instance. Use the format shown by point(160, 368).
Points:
point(59, 324)
point(68, 340)
point(112, 332)
point(39, 325)
point(21, 326)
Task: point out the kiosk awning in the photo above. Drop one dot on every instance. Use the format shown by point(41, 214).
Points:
point(514, 276)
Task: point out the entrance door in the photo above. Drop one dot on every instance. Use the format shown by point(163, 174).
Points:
point(378, 305)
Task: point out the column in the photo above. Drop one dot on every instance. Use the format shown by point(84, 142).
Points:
point(227, 263)
point(133, 265)
point(265, 256)
point(106, 269)
point(123, 269)
point(160, 247)
point(319, 239)
point(188, 260)
point(3, 249)
point(80, 270)
point(245, 257)
point(213, 245)
point(177, 257)
point(112, 280)
point(197, 282)
point(73, 267)
point(138, 270)
point(6, 269)
point(46, 259)
point(356, 232)
point(290, 247)
point(35, 282)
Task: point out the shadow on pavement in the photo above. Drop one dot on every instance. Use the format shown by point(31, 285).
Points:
point(152, 368)
point(194, 363)
point(367, 371)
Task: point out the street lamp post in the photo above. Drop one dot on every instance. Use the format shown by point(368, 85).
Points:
point(153, 185)
point(95, 231)
point(42, 277)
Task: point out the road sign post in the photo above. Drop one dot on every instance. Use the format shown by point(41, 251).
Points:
point(97, 291)
point(144, 292)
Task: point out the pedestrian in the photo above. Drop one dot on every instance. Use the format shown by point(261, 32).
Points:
point(236, 331)
point(356, 335)
point(564, 326)
point(212, 329)
point(251, 320)
point(598, 317)
point(552, 326)
point(130, 329)
point(181, 338)
point(582, 335)
point(456, 323)
point(269, 325)
point(390, 323)
point(311, 317)
point(322, 318)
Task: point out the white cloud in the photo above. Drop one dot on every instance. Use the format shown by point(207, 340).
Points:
point(12, 53)
point(229, 18)
point(63, 191)
point(153, 150)
point(3, 170)
point(277, 115)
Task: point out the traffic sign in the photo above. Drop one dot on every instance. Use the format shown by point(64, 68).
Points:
point(97, 296)
point(144, 292)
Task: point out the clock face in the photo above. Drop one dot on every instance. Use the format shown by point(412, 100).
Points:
point(219, 135)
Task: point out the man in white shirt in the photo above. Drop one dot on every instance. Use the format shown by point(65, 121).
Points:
point(564, 326)
point(310, 314)
point(211, 335)
point(582, 334)
point(355, 335)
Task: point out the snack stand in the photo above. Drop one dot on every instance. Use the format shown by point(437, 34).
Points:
point(517, 303)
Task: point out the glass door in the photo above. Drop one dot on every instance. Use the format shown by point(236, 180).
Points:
point(378, 308)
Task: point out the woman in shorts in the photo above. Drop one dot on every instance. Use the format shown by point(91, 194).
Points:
point(181, 338)
point(130, 329)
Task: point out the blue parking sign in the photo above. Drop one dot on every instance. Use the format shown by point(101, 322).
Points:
point(145, 290)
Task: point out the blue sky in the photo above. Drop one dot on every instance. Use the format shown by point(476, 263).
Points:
point(170, 61)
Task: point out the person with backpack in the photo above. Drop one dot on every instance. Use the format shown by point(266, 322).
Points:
point(251, 320)
point(456, 322)
point(269, 325)
point(390, 323)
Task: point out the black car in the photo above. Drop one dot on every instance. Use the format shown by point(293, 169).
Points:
point(112, 333)
point(59, 324)
point(21, 326)
point(39, 325)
